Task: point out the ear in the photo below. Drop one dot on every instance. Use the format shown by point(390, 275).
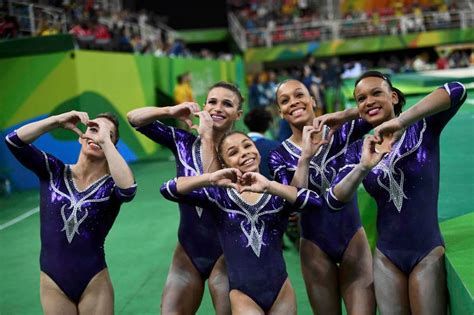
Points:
point(239, 114)
point(313, 103)
point(394, 97)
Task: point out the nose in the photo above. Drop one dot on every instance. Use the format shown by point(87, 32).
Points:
point(370, 100)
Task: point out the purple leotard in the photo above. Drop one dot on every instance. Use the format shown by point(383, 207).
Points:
point(74, 223)
point(329, 230)
point(196, 233)
point(405, 185)
point(250, 235)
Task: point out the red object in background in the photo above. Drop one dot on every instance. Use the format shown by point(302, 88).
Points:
point(442, 63)
point(101, 32)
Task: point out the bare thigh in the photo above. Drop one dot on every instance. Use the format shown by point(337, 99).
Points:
point(285, 303)
point(53, 299)
point(427, 285)
point(391, 286)
point(242, 304)
point(98, 297)
point(356, 276)
point(321, 279)
point(184, 287)
point(218, 283)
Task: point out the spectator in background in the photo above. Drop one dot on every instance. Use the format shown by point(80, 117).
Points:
point(9, 27)
point(183, 91)
point(258, 121)
point(46, 28)
point(83, 34)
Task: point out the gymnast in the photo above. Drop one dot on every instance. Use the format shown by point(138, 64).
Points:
point(335, 255)
point(399, 167)
point(251, 215)
point(78, 206)
point(198, 254)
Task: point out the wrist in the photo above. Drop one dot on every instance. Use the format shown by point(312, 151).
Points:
point(352, 113)
point(402, 120)
point(304, 160)
point(363, 169)
point(54, 121)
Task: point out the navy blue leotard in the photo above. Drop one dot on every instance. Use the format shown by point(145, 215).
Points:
point(250, 235)
point(405, 185)
point(329, 230)
point(74, 223)
point(196, 233)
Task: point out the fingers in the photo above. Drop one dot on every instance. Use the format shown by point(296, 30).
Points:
point(84, 117)
point(77, 131)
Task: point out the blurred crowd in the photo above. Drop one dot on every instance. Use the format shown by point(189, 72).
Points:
point(99, 28)
point(323, 78)
point(269, 22)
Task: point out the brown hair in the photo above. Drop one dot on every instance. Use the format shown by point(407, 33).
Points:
point(221, 142)
point(230, 87)
point(113, 118)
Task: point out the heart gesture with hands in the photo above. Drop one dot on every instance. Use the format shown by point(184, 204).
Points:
point(185, 112)
point(392, 129)
point(312, 141)
point(227, 178)
point(99, 132)
point(254, 182)
point(71, 119)
point(333, 120)
point(371, 156)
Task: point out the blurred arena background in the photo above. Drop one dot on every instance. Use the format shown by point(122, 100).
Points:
point(116, 55)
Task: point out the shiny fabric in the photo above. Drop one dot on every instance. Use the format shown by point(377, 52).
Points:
point(250, 235)
point(405, 185)
point(196, 233)
point(330, 230)
point(74, 223)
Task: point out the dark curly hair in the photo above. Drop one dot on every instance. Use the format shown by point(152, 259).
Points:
point(258, 120)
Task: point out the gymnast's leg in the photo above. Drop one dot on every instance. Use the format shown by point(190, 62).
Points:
point(98, 297)
point(391, 287)
point(285, 302)
point(320, 275)
point(53, 299)
point(242, 304)
point(356, 276)
point(427, 285)
point(184, 287)
point(219, 287)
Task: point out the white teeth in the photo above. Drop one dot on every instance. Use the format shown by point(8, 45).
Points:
point(297, 111)
point(217, 117)
point(249, 161)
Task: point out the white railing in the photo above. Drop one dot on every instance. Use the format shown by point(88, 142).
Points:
point(238, 32)
point(30, 16)
point(347, 28)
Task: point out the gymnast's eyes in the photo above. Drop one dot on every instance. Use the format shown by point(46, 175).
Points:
point(360, 99)
point(93, 129)
point(228, 104)
point(283, 101)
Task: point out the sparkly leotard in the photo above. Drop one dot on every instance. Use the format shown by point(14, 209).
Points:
point(329, 230)
point(74, 223)
point(250, 235)
point(405, 185)
point(196, 233)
